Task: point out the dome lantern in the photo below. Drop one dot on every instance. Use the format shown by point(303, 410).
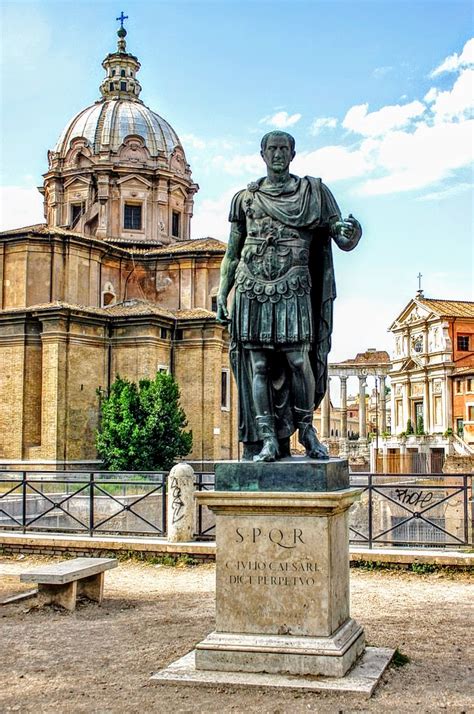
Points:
point(121, 67)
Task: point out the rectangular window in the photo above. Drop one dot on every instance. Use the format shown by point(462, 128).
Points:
point(399, 412)
point(132, 217)
point(470, 412)
point(162, 369)
point(178, 335)
point(458, 386)
point(225, 391)
point(463, 343)
point(123, 86)
point(76, 212)
point(214, 303)
point(438, 416)
point(164, 333)
point(175, 224)
point(469, 384)
point(111, 86)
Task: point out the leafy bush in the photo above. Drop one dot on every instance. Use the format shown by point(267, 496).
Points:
point(420, 427)
point(409, 430)
point(142, 426)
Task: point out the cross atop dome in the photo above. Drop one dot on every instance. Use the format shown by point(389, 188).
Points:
point(121, 18)
point(121, 32)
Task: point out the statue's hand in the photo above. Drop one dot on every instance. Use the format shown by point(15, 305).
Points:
point(222, 315)
point(347, 232)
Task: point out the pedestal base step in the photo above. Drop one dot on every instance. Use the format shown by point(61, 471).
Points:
point(361, 680)
point(274, 654)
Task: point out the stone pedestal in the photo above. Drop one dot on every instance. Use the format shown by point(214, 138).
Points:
point(282, 593)
point(282, 562)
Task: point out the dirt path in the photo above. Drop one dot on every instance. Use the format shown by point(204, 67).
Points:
point(99, 659)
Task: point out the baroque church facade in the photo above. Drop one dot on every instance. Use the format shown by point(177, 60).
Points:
point(110, 284)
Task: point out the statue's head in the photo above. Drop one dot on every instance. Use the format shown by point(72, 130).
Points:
point(277, 149)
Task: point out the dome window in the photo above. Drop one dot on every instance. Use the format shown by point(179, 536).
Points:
point(175, 227)
point(108, 295)
point(77, 209)
point(113, 73)
point(132, 217)
point(111, 86)
point(123, 86)
point(122, 73)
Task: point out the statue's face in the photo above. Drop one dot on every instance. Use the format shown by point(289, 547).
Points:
point(278, 154)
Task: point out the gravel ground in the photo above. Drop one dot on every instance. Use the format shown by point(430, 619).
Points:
point(99, 659)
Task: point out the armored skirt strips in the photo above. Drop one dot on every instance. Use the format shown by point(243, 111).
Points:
point(269, 314)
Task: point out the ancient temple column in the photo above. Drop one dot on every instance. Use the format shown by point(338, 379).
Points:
point(343, 407)
point(326, 415)
point(383, 405)
point(362, 414)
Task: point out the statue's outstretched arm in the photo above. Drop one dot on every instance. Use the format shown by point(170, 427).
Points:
point(346, 233)
point(228, 267)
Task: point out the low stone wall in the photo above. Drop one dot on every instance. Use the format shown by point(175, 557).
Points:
point(75, 546)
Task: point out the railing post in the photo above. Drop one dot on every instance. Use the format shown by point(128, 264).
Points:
point(466, 510)
point(23, 498)
point(180, 503)
point(370, 511)
point(91, 504)
point(164, 497)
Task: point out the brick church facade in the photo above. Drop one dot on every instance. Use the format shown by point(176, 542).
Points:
point(110, 284)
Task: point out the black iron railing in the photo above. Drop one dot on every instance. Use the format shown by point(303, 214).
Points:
point(394, 509)
point(93, 503)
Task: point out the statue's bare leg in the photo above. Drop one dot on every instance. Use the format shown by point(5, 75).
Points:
point(263, 406)
point(302, 385)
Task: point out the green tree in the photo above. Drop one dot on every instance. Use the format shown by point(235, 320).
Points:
point(420, 426)
point(142, 426)
point(409, 429)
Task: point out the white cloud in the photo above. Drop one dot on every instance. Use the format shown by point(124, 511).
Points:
point(457, 102)
point(210, 216)
point(431, 95)
point(380, 72)
point(281, 120)
point(193, 141)
point(322, 123)
point(385, 119)
point(332, 163)
point(20, 207)
point(447, 192)
point(240, 164)
point(455, 62)
point(429, 154)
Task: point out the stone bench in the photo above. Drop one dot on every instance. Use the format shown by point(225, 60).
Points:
point(61, 583)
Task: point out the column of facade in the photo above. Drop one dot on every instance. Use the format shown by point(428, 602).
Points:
point(326, 415)
point(426, 407)
point(343, 407)
point(383, 405)
point(362, 414)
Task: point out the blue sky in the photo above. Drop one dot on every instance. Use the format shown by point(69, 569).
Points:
point(376, 93)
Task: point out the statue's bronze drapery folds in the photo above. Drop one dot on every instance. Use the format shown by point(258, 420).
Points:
point(279, 260)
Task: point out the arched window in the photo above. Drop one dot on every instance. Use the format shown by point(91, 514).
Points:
point(108, 295)
point(122, 73)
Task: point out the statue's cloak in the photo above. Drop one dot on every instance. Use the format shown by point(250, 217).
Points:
point(304, 204)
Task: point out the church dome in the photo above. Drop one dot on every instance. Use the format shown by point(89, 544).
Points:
point(120, 113)
point(107, 123)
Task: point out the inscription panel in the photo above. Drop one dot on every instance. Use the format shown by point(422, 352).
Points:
point(272, 575)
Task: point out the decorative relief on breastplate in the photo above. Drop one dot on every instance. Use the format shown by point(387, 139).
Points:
point(272, 249)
